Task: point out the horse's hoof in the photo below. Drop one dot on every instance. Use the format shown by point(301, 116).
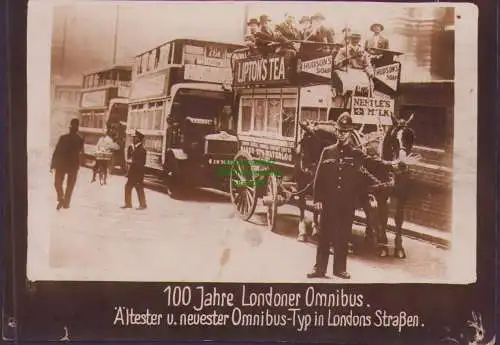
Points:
point(302, 238)
point(383, 252)
point(400, 253)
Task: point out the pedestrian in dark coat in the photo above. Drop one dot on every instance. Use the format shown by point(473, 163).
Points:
point(135, 174)
point(338, 183)
point(66, 162)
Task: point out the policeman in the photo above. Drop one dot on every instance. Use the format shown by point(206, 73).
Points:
point(338, 183)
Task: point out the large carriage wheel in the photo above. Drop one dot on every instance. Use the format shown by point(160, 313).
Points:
point(271, 201)
point(243, 186)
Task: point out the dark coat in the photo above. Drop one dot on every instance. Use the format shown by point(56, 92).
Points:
point(66, 156)
point(136, 170)
point(339, 176)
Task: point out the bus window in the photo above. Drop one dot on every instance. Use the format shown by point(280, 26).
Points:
point(158, 115)
point(246, 115)
point(273, 115)
point(157, 58)
point(288, 121)
point(259, 115)
point(149, 61)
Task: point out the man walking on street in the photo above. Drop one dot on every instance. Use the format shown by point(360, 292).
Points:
point(338, 183)
point(66, 162)
point(135, 175)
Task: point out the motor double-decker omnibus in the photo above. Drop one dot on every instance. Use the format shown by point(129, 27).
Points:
point(178, 90)
point(104, 103)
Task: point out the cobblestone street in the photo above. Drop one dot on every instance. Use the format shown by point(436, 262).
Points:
point(198, 239)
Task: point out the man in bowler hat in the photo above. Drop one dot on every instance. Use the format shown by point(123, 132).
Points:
point(66, 162)
point(338, 183)
point(135, 174)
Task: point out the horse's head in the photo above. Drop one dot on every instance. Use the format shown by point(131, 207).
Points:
point(399, 139)
point(315, 137)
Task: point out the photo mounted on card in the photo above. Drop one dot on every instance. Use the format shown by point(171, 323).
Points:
point(253, 171)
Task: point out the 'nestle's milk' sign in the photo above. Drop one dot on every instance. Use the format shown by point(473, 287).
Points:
point(372, 110)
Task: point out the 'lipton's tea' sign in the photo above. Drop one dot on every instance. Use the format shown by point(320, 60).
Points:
point(261, 71)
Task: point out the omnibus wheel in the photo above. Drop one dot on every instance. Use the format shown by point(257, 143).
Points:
point(271, 202)
point(243, 186)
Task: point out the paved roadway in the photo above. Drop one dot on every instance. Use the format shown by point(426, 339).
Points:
point(200, 239)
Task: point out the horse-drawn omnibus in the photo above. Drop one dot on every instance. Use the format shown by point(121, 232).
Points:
point(104, 103)
point(178, 91)
point(287, 106)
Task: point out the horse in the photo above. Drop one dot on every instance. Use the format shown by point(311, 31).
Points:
point(315, 137)
point(394, 145)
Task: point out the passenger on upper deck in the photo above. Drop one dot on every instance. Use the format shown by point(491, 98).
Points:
point(354, 56)
point(377, 42)
point(250, 40)
point(265, 36)
point(304, 27)
point(287, 29)
point(318, 32)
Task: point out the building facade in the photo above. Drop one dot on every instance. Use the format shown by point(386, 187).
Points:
point(64, 107)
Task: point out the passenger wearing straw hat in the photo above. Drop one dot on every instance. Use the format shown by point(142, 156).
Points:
point(135, 175)
point(377, 41)
point(319, 33)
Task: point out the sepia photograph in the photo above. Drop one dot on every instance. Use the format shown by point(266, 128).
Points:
point(252, 142)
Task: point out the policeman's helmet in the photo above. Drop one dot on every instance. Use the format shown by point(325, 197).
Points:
point(344, 122)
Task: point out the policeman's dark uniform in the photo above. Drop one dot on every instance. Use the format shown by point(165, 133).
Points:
point(66, 162)
point(135, 175)
point(338, 183)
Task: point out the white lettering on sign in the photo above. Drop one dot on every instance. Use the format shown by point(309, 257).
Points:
point(268, 152)
point(372, 110)
point(196, 50)
point(207, 74)
point(261, 70)
point(94, 99)
point(321, 66)
point(389, 75)
point(215, 52)
point(207, 61)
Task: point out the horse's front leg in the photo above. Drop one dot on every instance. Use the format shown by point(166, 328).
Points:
point(383, 217)
point(302, 236)
point(369, 209)
point(399, 251)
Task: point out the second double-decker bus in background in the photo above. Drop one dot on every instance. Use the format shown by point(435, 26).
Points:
point(178, 91)
point(103, 103)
